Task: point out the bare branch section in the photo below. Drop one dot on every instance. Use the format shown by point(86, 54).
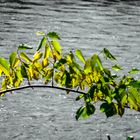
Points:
point(40, 86)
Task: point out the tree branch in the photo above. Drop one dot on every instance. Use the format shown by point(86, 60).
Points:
point(45, 86)
point(41, 86)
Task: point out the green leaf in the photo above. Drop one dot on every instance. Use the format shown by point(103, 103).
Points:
point(107, 72)
point(135, 84)
point(130, 138)
point(66, 79)
point(4, 66)
point(134, 98)
point(26, 65)
point(24, 71)
point(116, 67)
point(134, 71)
point(90, 109)
point(121, 110)
point(12, 59)
point(53, 35)
point(85, 111)
point(80, 56)
point(24, 47)
point(92, 90)
point(109, 109)
point(79, 97)
point(87, 67)
point(96, 62)
point(18, 74)
point(107, 54)
point(42, 43)
point(60, 63)
point(37, 56)
point(79, 112)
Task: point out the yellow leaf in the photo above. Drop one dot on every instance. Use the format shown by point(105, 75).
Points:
point(0, 72)
point(17, 83)
point(47, 51)
point(69, 60)
point(45, 62)
point(37, 56)
point(38, 65)
point(35, 75)
point(30, 71)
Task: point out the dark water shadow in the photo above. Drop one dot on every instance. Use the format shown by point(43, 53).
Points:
point(110, 2)
point(22, 2)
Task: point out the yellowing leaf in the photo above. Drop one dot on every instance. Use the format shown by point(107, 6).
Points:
point(68, 59)
point(2, 95)
point(18, 74)
point(80, 56)
point(18, 78)
point(56, 55)
point(96, 75)
point(56, 46)
point(96, 62)
point(49, 74)
point(12, 58)
point(33, 73)
point(25, 57)
point(87, 67)
point(15, 64)
point(4, 66)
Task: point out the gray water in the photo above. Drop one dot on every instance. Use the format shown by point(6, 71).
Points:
point(89, 25)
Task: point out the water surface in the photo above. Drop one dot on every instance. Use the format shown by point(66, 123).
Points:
point(89, 25)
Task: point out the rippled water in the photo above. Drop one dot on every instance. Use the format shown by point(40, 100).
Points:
point(89, 25)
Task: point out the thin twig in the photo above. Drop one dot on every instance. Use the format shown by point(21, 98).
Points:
point(40, 86)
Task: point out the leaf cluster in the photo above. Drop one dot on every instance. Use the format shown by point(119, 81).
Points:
point(90, 78)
